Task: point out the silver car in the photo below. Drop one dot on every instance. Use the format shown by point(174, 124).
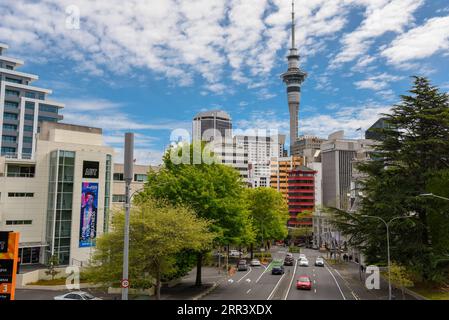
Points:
point(76, 295)
point(319, 262)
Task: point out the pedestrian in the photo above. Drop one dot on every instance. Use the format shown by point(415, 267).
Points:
point(362, 268)
point(350, 257)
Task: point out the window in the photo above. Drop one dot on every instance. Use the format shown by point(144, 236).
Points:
point(11, 104)
point(140, 177)
point(9, 138)
point(48, 108)
point(18, 222)
point(9, 67)
point(19, 81)
point(8, 151)
point(27, 151)
point(31, 95)
point(27, 140)
point(20, 171)
point(20, 195)
point(10, 127)
point(119, 177)
point(29, 117)
point(28, 128)
point(12, 93)
point(29, 105)
point(121, 198)
point(41, 96)
point(10, 116)
point(49, 119)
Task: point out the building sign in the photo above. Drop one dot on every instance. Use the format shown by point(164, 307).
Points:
point(9, 256)
point(88, 217)
point(90, 169)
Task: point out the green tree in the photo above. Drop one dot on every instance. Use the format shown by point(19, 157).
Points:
point(269, 213)
point(158, 233)
point(214, 191)
point(51, 267)
point(413, 149)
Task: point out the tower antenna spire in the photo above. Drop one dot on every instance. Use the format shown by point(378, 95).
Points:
point(293, 24)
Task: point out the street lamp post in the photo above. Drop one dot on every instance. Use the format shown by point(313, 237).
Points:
point(387, 225)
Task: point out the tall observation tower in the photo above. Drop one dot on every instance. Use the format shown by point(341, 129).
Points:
point(293, 78)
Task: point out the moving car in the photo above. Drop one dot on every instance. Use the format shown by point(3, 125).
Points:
point(76, 295)
point(277, 270)
point(242, 265)
point(303, 262)
point(289, 260)
point(319, 262)
point(255, 263)
point(304, 283)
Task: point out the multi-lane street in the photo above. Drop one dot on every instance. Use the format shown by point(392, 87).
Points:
point(259, 284)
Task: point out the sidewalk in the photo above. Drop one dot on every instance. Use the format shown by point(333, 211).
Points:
point(350, 272)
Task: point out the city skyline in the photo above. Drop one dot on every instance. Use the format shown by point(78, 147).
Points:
point(214, 55)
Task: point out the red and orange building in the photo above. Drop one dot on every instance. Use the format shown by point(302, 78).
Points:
point(301, 195)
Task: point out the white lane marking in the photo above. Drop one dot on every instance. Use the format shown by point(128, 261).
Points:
point(347, 284)
point(344, 298)
point(315, 290)
point(275, 287)
point(354, 295)
point(314, 281)
point(291, 281)
point(266, 268)
point(248, 291)
point(245, 275)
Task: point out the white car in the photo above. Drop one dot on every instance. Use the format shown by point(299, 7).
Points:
point(76, 295)
point(319, 262)
point(234, 253)
point(303, 262)
point(255, 263)
point(302, 256)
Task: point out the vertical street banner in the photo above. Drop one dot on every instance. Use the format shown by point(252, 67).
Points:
point(88, 217)
point(9, 256)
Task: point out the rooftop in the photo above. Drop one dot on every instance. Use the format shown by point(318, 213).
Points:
point(213, 113)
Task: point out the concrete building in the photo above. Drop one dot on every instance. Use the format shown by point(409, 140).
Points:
point(371, 132)
point(59, 199)
point(210, 125)
point(301, 195)
point(22, 108)
point(307, 147)
point(337, 155)
point(293, 79)
point(280, 169)
point(118, 187)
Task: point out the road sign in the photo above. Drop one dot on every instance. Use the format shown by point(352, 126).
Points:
point(125, 283)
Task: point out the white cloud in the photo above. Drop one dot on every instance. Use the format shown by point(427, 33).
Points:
point(378, 82)
point(381, 16)
point(420, 42)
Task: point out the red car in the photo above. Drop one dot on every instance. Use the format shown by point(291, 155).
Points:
point(304, 283)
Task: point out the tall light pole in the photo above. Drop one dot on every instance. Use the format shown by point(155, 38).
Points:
point(387, 225)
point(128, 175)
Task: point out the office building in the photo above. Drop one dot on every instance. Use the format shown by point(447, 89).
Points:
point(59, 200)
point(293, 79)
point(337, 155)
point(211, 125)
point(23, 107)
point(372, 133)
point(307, 147)
point(280, 169)
point(301, 195)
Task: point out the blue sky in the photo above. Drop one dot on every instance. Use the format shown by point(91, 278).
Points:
point(150, 66)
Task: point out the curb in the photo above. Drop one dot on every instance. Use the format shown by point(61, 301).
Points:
point(55, 288)
point(208, 291)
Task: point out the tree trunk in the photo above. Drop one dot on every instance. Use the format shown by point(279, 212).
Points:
point(252, 251)
point(158, 283)
point(199, 264)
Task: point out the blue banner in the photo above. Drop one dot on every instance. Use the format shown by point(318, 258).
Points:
point(88, 219)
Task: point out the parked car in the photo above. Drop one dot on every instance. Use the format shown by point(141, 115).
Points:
point(255, 263)
point(277, 270)
point(242, 265)
point(304, 283)
point(289, 261)
point(76, 295)
point(234, 253)
point(319, 262)
point(303, 262)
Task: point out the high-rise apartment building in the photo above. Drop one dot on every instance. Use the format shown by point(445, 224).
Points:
point(280, 169)
point(301, 196)
point(22, 108)
point(210, 125)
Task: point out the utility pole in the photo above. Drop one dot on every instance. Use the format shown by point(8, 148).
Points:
point(128, 175)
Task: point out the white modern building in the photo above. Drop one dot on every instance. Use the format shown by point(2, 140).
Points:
point(60, 199)
point(211, 125)
point(23, 107)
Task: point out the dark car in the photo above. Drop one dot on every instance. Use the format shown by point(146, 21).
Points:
point(289, 261)
point(277, 270)
point(242, 265)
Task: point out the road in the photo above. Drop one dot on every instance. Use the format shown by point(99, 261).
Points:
point(259, 284)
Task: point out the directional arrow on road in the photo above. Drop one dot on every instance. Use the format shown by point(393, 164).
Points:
point(230, 281)
point(248, 280)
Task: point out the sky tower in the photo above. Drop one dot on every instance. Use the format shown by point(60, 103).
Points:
point(293, 78)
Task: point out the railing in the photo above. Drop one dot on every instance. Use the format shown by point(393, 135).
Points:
point(20, 175)
point(15, 155)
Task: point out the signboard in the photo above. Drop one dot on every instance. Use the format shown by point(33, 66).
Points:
point(9, 254)
point(91, 169)
point(125, 283)
point(88, 216)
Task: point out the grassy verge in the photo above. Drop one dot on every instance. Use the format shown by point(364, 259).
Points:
point(55, 282)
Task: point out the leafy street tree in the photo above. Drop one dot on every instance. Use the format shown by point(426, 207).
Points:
point(214, 191)
point(158, 232)
point(51, 267)
point(269, 213)
point(411, 158)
